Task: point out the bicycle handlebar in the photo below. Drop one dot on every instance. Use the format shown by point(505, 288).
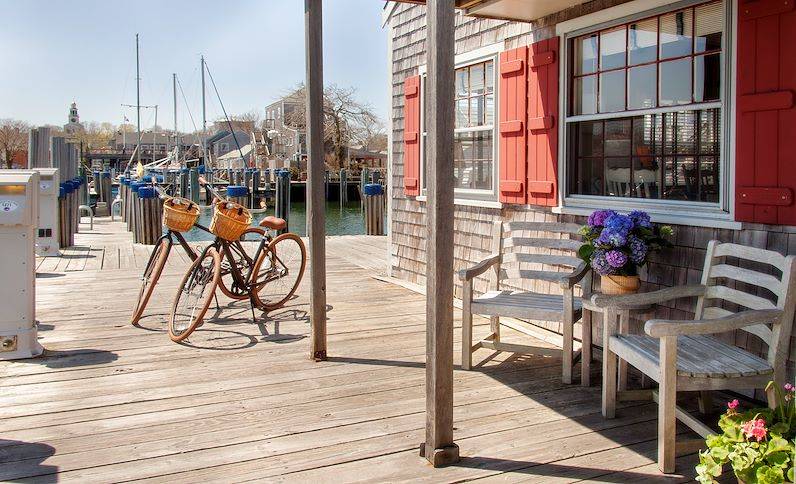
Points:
point(210, 188)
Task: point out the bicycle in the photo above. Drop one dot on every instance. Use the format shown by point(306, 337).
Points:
point(159, 257)
point(268, 278)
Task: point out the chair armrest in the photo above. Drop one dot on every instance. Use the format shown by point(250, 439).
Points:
point(669, 327)
point(630, 301)
point(568, 280)
point(478, 269)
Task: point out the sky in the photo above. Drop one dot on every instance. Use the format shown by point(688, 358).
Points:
point(56, 52)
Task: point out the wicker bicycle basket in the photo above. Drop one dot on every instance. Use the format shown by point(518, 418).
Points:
point(230, 219)
point(179, 214)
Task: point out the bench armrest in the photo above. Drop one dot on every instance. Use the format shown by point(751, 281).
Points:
point(478, 269)
point(670, 327)
point(630, 301)
point(568, 280)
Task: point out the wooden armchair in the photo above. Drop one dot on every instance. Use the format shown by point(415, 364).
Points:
point(682, 356)
point(510, 260)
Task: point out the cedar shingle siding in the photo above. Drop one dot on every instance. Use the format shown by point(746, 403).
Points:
point(679, 265)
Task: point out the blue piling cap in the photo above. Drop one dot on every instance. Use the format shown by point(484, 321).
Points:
point(201, 169)
point(373, 189)
point(77, 180)
point(135, 185)
point(106, 174)
point(237, 191)
point(184, 170)
point(147, 191)
point(159, 178)
point(61, 192)
point(66, 187)
point(124, 181)
point(284, 173)
point(72, 185)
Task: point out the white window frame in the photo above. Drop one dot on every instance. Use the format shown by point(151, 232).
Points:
point(464, 196)
point(666, 211)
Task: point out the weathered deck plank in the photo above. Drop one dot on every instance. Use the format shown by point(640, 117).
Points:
point(112, 402)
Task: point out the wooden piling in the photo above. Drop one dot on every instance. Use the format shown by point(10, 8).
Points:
point(373, 196)
point(282, 203)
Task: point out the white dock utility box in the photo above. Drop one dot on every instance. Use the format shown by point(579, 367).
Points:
point(19, 193)
point(47, 227)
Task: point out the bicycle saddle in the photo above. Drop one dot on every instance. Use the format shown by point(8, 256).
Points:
point(273, 223)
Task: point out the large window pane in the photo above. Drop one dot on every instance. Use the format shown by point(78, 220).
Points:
point(590, 138)
point(708, 27)
point(686, 132)
point(680, 178)
point(709, 179)
point(642, 41)
point(473, 160)
point(462, 82)
point(646, 177)
point(646, 135)
point(707, 77)
point(642, 85)
point(462, 113)
point(490, 76)
point(586, 177)
point(585, 95)
point(617, 177)
point(612, 91)
point(709, 131)
point(612, 48)
point(676, 31)
point(675, 82)
point(617, 137)
point(477, 111)
point(586, 54)
point(489, 110)
point(477, 79)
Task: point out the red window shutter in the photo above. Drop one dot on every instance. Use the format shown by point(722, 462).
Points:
point(412, 136)
point(765, 144)
point(511, 117)
point(543, 123)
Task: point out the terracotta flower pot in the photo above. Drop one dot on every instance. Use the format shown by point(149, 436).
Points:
point(615, 285)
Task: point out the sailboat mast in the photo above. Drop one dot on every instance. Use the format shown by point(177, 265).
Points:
point(204, 117)
point(138, 98)
point(176, 133)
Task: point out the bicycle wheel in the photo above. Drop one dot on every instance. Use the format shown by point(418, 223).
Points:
point(195, 294)
point(157, 260)
point(278, 271)
point(243, 251)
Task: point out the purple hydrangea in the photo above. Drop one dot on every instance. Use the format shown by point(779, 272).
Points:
point(641, 219)
point(612, 238)
point(616, 258)
point(619, 223)
point(597, 218)
point(599, 263)
point(638, 249)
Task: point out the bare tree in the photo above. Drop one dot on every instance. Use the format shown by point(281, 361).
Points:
point(13, 139)
point(346, 120)
point(95, 135)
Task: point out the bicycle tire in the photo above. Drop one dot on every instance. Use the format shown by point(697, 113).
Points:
point(151, 275)
point(202, 277)
point(265, 276)
point(226, 283)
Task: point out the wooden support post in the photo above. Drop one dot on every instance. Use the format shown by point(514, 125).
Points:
point(316, 205)
point(438, 447)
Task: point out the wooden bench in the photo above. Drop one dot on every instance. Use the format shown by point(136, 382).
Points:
point(516, 246)
point(684, 356)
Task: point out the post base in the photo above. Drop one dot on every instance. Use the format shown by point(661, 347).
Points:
point(441, 457)
point(319, 355)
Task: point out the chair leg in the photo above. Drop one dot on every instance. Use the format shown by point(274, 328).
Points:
point(705, 402)
point(667, 401)
point(624, 328)
point(586, 347)
point(467, 330)
point(494, 324)
point(609, 367)
point(566, 353)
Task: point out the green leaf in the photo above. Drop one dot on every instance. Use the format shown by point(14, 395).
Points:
point(777, 444)
point(790, 474)
point(585, 251)
point(719, 453)
point(778, 459)
point(769, 475)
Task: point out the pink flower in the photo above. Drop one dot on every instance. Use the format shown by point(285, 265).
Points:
point(789, 387)
point(755, 428)
point(733, 404)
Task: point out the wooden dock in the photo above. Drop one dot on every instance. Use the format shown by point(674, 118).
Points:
point(110, 402)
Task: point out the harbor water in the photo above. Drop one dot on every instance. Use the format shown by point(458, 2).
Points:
point(340, 220)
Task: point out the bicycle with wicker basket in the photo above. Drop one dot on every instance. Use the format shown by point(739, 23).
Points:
point(268, 276)
point(245, 262)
